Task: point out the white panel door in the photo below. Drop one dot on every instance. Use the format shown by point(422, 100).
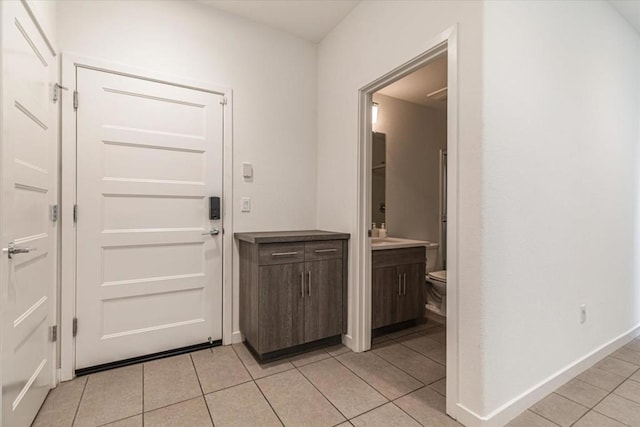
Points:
point(28, 155)
point(149, 276)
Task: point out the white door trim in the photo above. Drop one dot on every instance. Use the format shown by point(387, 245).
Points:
point(447, 42)
point(68, 189)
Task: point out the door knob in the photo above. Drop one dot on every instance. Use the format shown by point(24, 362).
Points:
point(212, 232)
point(14, 250)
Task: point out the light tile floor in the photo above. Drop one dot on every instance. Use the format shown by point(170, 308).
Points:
point(605, 395)
point(400, 382)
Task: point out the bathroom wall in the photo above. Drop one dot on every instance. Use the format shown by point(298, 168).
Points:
point(415, 134)
point(272, 74)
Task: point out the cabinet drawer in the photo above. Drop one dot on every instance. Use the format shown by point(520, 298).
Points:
point(281, 253)
point(391, 257)
point(328, 249)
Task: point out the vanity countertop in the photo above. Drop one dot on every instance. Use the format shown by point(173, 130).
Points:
point(378, 243)
point(290, 236)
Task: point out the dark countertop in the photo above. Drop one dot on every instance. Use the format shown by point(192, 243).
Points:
point(290, 236)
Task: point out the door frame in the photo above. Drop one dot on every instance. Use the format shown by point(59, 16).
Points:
point(444, 43)
point(69, 63)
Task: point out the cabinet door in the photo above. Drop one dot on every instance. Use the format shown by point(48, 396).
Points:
point(411, 301)
point(323, 299)
point(281, 309)
point(385, 293)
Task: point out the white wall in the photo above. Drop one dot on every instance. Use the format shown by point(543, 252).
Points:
point(560, 155)
point(272, 74)
point(414, 136)
point(375, 38)
point(548, 170)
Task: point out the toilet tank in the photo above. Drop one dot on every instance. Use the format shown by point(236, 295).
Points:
point(432, 257)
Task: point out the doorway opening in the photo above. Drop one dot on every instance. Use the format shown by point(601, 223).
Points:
point(408, 213)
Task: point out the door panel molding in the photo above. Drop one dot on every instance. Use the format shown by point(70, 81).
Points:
point(28, 186)
point(70, 63)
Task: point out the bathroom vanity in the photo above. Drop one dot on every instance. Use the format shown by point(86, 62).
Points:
point(293, 289)
point(397, 282)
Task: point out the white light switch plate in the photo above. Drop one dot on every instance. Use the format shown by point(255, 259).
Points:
point(247, 170)
point(246, 204)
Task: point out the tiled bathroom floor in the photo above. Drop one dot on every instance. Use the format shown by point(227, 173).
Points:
point(401, 382)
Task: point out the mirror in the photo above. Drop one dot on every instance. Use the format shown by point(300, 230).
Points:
point(378, 175)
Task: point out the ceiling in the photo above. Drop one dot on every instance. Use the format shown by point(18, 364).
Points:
point(415, 87)
point(630, 10)
point(308, 19)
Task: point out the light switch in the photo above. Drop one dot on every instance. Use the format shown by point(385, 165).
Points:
point(246, 204)
point(247, 170)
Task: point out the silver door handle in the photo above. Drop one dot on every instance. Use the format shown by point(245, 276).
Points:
point(399, 284)
point(404, 280)
point(212, 232)
point(12, 249)
point(322, 251)
point(309, 283)
point(302, 284)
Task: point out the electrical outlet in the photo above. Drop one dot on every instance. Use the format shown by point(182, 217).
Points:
point(246, 204)
point(583, 313)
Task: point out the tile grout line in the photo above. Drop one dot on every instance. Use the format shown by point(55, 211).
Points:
point(389, 361)
point(75, 415)
point(268, 402)
point(258, 386)
point(373, 387)
point(201, 389)
point(422, 354)
point(542, 416)
point(392, 401)
point(266, 376)
point(322, 394)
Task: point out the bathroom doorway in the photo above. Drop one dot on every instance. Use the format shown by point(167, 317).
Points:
point(408, 182)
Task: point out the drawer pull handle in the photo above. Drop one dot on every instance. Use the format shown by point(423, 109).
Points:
point(284, 253)
point(324, 251)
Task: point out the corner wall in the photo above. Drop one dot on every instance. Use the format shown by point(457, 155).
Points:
point(560, 191)
point(375, 38)
point(272, 74)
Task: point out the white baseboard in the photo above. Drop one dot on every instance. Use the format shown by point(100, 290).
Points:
point(236, 337)
point(521, 403)
point(347, 340)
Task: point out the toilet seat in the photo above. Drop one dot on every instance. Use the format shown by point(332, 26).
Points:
point(440, 276)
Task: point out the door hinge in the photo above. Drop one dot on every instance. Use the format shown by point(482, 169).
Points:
point(223, 101)
point(53, 213)
point(56, 91)
point(53, 333)
point(75, 326)
point(75, 213)
point(75, 99)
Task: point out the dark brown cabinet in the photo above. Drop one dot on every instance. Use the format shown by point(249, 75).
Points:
point(292, 290)
point(397, 286)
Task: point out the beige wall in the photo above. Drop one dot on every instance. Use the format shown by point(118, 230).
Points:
point(415, 134)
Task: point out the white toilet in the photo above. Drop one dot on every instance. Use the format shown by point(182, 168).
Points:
point(436, 283)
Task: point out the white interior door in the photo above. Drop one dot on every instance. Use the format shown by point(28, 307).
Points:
point(149, 276)
point(28, 154)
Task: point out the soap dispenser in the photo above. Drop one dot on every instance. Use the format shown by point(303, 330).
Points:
point(375, 232)
point(383, 231)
